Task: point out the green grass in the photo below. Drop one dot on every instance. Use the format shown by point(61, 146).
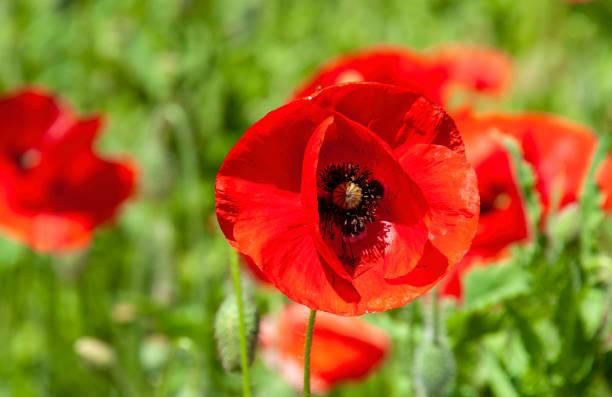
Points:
point(179, 81)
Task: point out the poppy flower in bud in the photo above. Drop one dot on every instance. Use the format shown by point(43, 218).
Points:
point(356, 199)
point(433, 73)
point(342, 348)
point(560, 152)
point(54, 189)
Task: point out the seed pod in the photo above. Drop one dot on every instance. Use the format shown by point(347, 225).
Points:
point(435, 370)
point(227, 332)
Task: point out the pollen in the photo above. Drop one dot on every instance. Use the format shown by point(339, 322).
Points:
point(347, 195)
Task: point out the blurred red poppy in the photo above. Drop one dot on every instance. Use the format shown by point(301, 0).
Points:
point(560, 152)
point(433, 73)
point(358, 199)
point(604, 180)
point(342, 348)
point(54, 189)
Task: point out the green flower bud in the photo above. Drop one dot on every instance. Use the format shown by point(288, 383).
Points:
point(435, 370)
point(227, 332)
point(95, 352)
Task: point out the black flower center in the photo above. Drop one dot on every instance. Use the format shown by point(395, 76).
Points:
point(348, 199)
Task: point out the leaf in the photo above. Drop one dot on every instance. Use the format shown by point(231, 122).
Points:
point(592, 309)
point(528, 335)
point(527, 180)
point(486, 287)
point(497, 378)
point(590, 209)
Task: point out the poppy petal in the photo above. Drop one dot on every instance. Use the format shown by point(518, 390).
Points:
point(454, 212)
point(477, 68)
point(604, 180)
point(432, 266)
point(21, 131)
point(269, 155)
point(559, 150)
point(433, 73)
point(396, 115)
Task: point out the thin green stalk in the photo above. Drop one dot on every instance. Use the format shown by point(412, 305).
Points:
point(246, 391)
point(307, 348)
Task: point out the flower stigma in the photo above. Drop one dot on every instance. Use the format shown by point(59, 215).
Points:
point(347, 195)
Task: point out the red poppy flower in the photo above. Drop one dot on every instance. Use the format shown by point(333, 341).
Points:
point(560, 152)
point(355, 200)
point(54, 189)
point(433, 74)
point(342, 348)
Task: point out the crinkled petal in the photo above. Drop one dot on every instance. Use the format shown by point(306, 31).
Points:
point(269, 154)
point(396, 115)
point(454, 212)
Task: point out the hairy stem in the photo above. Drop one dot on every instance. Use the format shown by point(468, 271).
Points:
point(246, 391)
point(307, 348)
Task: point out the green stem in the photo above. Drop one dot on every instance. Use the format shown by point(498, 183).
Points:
point(435, 315)
point(307, 348)
point(246, 391)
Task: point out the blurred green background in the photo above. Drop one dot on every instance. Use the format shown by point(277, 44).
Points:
point(179, 81)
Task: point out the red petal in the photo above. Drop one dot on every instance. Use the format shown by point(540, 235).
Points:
point(560, 150)
point(503, 218)
point(269, 155)
point(451, 285)
point(396, 115)
point(432, 74)
point(604, 180)
point(27, 118)
point(480, 69)
point(255, 270)
point(343, 348)
point(454, 212)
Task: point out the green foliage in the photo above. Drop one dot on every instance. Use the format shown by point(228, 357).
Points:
point(179, 81)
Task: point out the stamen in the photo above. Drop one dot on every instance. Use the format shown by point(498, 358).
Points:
point(349, 199)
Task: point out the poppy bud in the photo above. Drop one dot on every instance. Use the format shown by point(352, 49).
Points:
point(227, 332)
point(435, 370)
point(95, 352)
